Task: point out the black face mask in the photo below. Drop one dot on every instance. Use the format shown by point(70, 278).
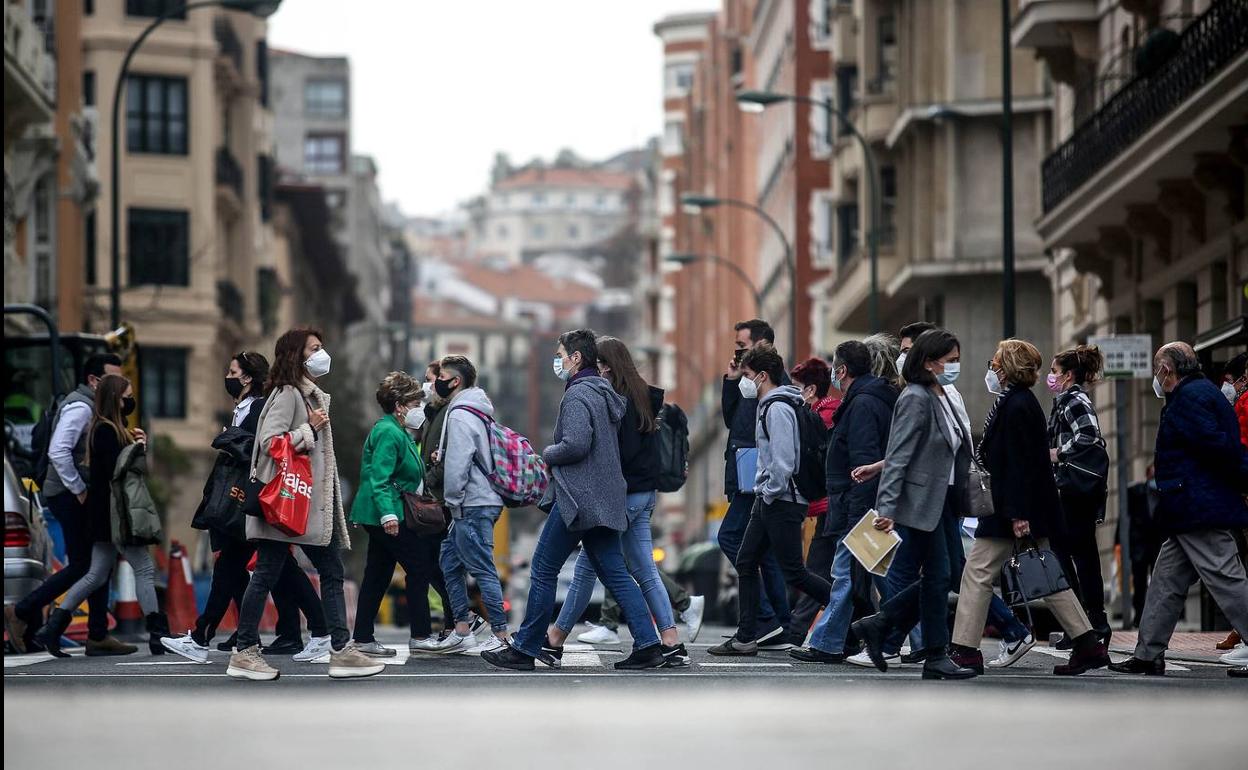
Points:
point(443, 387)
point(127, 406)
point(234, 386)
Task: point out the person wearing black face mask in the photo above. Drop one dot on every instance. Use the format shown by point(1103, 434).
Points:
point(293, 592)
point(107, 437)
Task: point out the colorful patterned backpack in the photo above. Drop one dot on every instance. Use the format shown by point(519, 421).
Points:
point(519, 475)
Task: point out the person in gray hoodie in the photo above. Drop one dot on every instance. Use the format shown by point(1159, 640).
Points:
point(588, 505)
point(779, 509)
point(464, 454)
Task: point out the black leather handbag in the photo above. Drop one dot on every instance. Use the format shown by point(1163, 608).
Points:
point(1085, 471)
point(1031, 573)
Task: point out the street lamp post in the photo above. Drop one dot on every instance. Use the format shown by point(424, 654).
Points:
point(693, 203)
point(1007, 175)
point(688, 259)
point(757, 101)
point(259, 8)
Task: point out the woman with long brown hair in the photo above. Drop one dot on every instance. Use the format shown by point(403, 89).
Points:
point(297, 408)
point(639, 459)
point(106, 437)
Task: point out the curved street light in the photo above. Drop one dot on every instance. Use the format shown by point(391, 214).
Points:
point(693, 203)
point(757, 101)
point(259, 8)
point(688, 259)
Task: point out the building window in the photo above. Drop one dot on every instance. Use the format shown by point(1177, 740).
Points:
point(886, 51)
point(847, 231)
point(156, 119)
point(159, 247)
point(888, 204)
point(539, 199)
point(846, 90)
point(325, 98)
point(324, 154)
point(574, 232)
point(269, 298)
point(673, 137)
point(678, 78)
point(264, 186)
point(262, 70)
point(88, 248)
point(163, 383)
point(538, 231)
point(88, 88)
point(154, 8)
point(88, 7)
point(43, 208)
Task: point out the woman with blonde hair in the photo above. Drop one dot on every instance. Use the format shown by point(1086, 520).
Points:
point(106, 437)
point(1026, 507)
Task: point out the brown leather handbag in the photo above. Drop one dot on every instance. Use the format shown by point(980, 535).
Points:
point(423, 514)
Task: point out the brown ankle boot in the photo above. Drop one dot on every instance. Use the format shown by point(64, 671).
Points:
point(1087, 653)
point(109, 645)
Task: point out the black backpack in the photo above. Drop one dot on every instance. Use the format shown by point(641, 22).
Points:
point(40, 440)
point(673, 448)
point(811, 479)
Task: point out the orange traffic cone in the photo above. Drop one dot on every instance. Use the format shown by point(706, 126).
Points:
point(180, 593)
point(127, 610)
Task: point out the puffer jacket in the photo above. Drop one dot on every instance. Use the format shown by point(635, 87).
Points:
point(135, 520)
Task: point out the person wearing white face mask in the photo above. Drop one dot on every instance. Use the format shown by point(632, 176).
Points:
point(295, 407)
point(389, 466)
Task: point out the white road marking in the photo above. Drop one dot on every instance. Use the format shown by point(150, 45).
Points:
point(745, 665)
point(19, 661)
point(1065, 655)
point(162, 663)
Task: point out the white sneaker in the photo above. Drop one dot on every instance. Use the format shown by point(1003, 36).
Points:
point(1012, 652)
point(454, 643)
point(1236, 657)
point(599, 635)
point(186, 646)
point(422, 645)
point(692, 617)
point(317, 647)
point(492, 644)
point(864, 660)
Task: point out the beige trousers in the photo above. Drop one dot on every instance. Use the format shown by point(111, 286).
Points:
point(983, 564)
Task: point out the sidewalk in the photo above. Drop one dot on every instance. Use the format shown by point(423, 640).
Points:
point(1195, 647)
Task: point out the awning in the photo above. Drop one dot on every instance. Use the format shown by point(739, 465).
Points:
point(1233, 332)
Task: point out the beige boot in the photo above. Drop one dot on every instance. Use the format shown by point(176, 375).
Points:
point(249, 664)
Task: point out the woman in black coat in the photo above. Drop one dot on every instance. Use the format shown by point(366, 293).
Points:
point(1026, 504)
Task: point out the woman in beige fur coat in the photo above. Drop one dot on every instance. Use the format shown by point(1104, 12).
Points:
point(296, 407)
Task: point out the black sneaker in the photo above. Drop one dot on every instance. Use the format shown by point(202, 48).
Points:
point(815, 655)
point(1065, 643)
point(478, 623)
point(675, 657)
point(550, 656)
point(508, 658)
point(646, 657)
point(228, 644)
point(921, 656)
point(773, 641)
point(282, 646)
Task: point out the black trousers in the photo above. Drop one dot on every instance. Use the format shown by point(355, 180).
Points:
point(418, 555)
point(925, 601)
point(72, 516)
point(819, 561)
point(1080, 556)
point(774, 529)
point(292, 593)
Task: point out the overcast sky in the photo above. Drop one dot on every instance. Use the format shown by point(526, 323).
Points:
point(438, 87)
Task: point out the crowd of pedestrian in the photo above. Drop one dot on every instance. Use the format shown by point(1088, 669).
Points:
point(877, 435)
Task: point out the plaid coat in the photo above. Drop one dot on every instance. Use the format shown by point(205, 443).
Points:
point(1072, 422)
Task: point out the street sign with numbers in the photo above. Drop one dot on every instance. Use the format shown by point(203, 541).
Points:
point(1127, 356)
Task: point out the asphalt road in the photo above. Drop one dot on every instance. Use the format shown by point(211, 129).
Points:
point(153, 712)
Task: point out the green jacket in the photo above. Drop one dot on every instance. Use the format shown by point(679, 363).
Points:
point(390, 463)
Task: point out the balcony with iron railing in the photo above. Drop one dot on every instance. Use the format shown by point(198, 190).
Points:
point(230, 300)
point(228, 172)
point(1169, 69)
point(228, 43)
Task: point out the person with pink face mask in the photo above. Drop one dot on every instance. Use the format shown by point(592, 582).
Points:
point(1077, 450)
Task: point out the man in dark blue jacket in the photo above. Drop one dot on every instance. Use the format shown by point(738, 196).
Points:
point(1199, 469)
point(740, 416)
point(860, 437)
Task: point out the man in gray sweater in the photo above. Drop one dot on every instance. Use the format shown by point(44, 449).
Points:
point(779, 509)
point(587, 504)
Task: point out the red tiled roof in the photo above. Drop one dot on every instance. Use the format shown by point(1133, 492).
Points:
point(441, 313)
point(526, 283)
point(566, 177)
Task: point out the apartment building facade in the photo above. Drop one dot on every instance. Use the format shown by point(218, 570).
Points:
point(1143, 187)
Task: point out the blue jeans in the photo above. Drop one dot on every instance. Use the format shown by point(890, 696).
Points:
point(638, 546)
point(773, 607)
point(833, 625)
point(469, 550)
point(602, 545)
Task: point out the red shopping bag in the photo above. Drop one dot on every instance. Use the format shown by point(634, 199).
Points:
point(287, 499)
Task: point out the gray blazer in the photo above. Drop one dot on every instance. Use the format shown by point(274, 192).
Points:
point(920, 454)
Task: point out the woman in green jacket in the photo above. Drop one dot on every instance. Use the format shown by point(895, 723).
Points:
point(390, 464)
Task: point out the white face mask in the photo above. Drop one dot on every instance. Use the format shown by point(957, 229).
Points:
point(950, 374)
point(560, 372)
point(993, 383)
point(748, 387)
point(318, 363)
point(427, 389)
point(415, 418)
point(1157, 389)
point(901, 361)
point(1228, 390)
